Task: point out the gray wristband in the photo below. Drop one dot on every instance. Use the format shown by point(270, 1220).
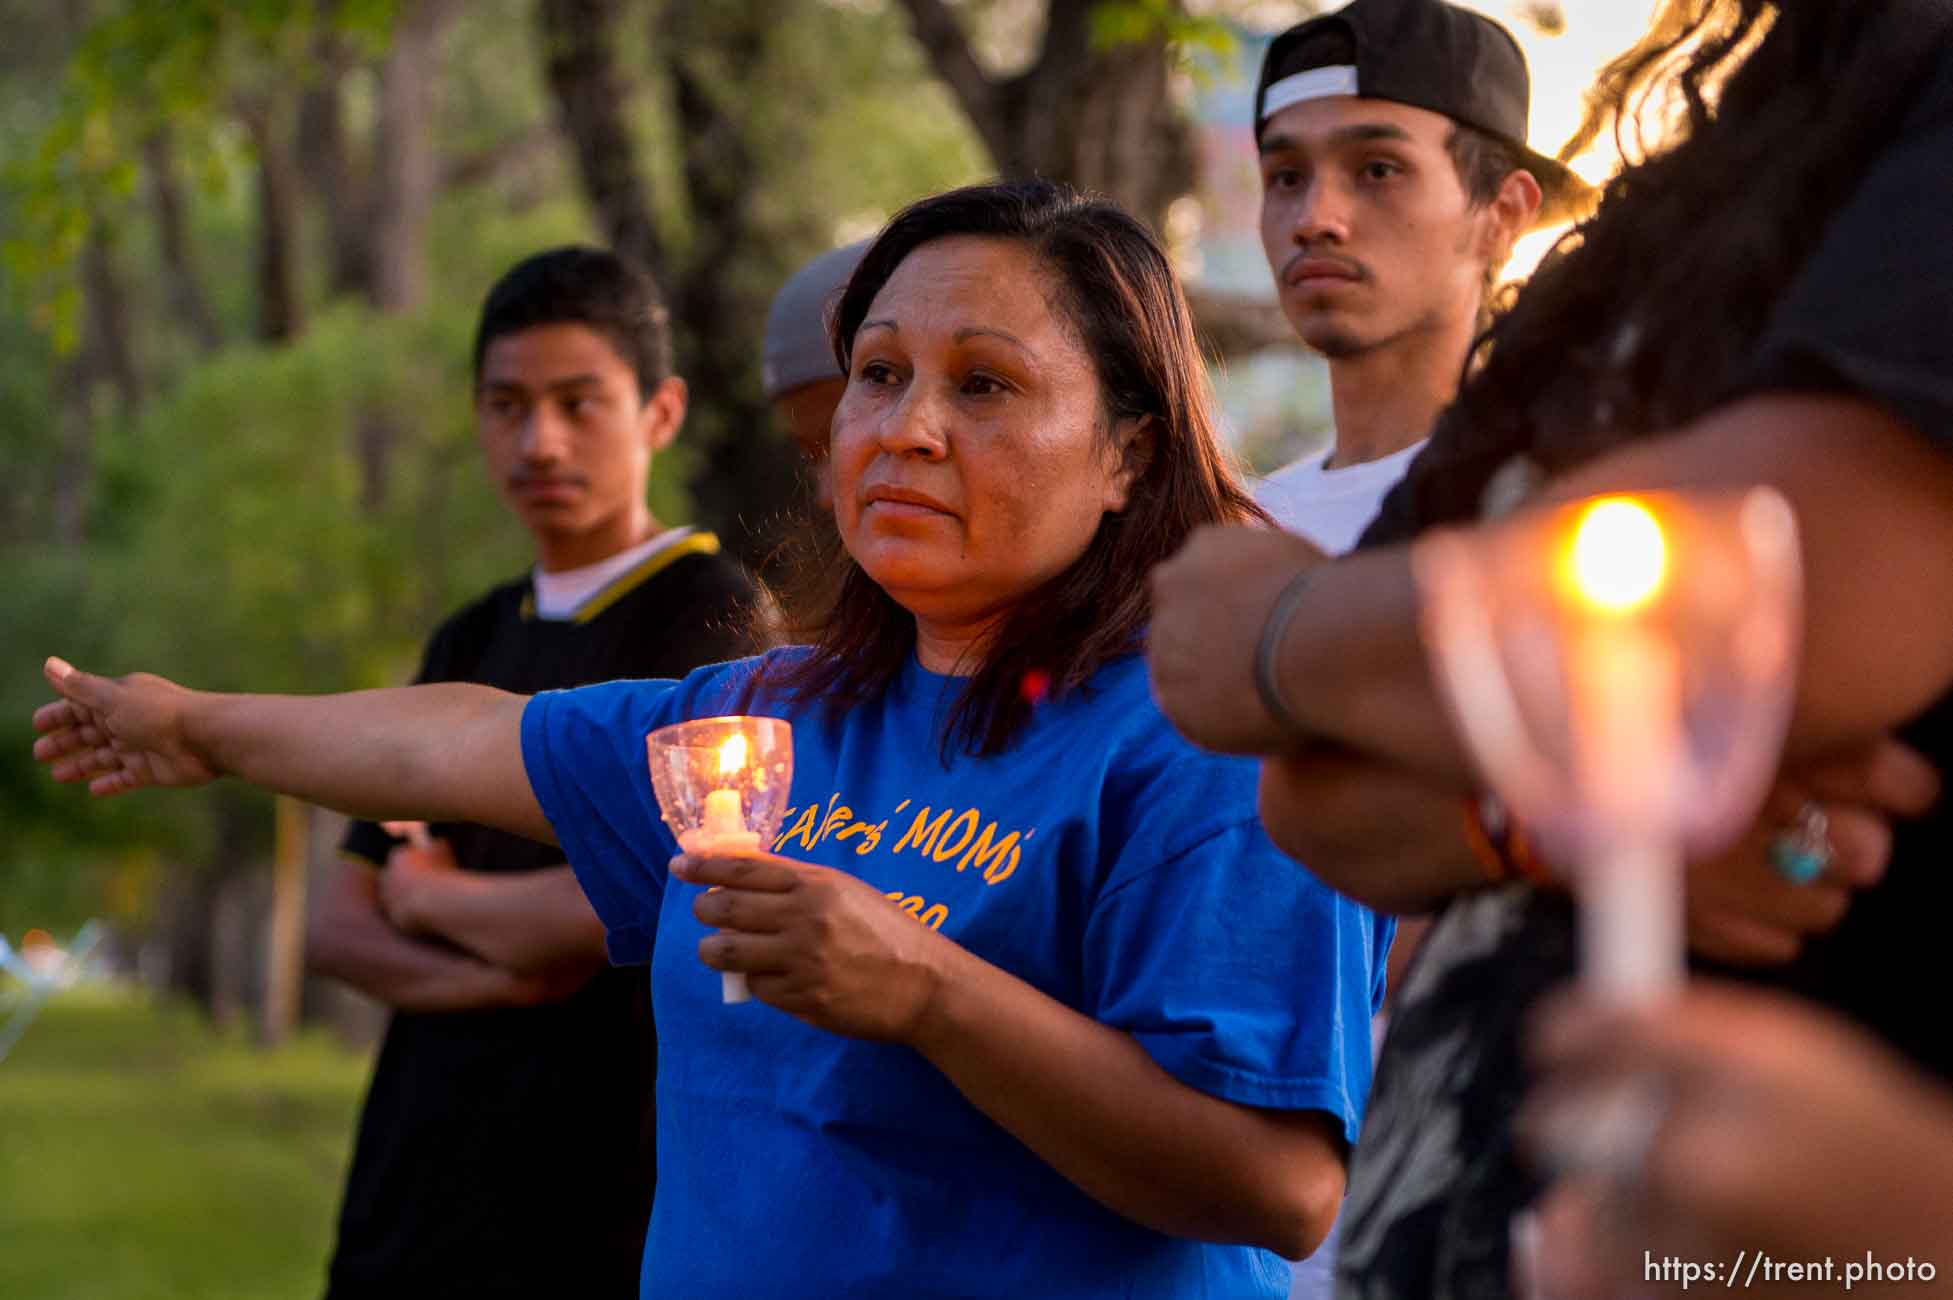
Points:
point(1273, 629)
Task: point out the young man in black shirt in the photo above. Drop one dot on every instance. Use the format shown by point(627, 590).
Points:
point(1763, 300)
point(506, 1145)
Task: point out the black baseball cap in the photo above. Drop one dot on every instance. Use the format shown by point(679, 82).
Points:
point(1427, 54)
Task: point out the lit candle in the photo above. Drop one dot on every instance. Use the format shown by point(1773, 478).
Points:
point(724, 832)
point(722, 815)
point(722, 786)
point(1625, 679)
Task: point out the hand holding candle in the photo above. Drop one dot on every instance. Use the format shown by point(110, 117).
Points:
point(722, 785)
point(1621, 669)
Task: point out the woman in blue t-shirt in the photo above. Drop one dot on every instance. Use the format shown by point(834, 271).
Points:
point(1059, 1021)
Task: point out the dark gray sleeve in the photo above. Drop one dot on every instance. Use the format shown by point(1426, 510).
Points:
point(1871, 313)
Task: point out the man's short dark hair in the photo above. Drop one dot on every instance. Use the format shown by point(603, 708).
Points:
point(592, 287)
point(1483, 162)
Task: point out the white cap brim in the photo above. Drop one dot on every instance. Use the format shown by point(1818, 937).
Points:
point(1316, 83)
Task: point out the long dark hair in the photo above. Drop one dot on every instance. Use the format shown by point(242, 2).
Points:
point(1117, 290)
point(1641, 319)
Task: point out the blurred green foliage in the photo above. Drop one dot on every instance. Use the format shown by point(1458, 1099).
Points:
point(138, 66)
point(228, 540)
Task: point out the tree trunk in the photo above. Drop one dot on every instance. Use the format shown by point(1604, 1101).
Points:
point(577, 39)
point(1229, 325)
point(110, 332)
point(336, 181)
point(281, 310)
point(107, 353)
point(211, 959)
point(1126, 139)
point(510, 158)
point(750, 478)
point(232, 954)
point(188, 927)
point(185, 286)
point(406, 177)
point(74, 471)
point(1102, 120)
point(749, 473)
point(405, 169)
point(375, 438)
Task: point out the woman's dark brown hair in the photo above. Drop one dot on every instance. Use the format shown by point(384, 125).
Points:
point(1116, 290)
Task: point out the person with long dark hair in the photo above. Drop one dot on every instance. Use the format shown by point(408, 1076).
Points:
point(1059, 1020)
point(1762, 297)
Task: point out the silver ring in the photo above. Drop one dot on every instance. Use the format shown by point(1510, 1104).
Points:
point(1802, 852)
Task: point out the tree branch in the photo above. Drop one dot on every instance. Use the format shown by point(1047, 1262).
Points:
point(338, 184)
point(505, 156)
point(748, 475)
point(185, 287)
point(281, 308)
point(1230, 326)
point(942, 39)
point(406, 172)
point(578, 37)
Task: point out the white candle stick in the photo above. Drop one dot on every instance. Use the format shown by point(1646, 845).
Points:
point(743, 769)
point(1627, 709)
point(724, 834)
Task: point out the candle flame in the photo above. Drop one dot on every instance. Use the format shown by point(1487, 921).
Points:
point(1620, 556)
point(732, 754)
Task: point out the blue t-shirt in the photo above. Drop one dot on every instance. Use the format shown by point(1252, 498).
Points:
point(1103, 859)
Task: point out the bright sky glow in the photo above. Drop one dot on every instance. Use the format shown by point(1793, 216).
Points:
point(1563, 68)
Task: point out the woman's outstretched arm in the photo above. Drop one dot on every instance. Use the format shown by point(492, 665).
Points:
point(447, 752)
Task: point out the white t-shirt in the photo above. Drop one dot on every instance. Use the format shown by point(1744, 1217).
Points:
point(559, 594)
point(1332, 507)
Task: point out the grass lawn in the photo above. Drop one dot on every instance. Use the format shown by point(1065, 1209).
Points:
point(144, 1156)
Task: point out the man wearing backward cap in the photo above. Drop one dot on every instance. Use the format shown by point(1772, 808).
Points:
point(1395, 180)
point(801, 376)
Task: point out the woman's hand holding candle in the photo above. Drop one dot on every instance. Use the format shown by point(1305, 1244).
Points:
point(817, 943)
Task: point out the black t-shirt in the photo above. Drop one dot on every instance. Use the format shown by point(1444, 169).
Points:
point(1434, 1181)
point(510, 1152)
